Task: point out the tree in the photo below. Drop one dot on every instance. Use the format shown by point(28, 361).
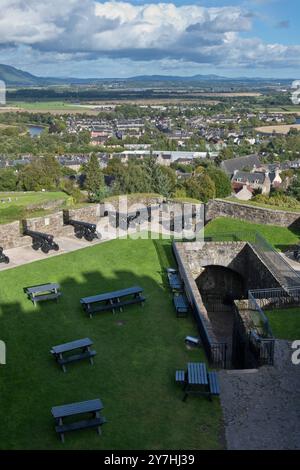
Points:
point(294, 188)
point(221, 180)
point(94, 181)
point(41, 173)
point(8, 180)
point(201, 187)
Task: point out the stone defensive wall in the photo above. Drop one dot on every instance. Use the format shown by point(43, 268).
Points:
point(259, 215)
point(11, 235)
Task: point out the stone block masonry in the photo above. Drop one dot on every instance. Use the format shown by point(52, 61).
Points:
point(52, 224)
point(259, 215)
point(11, 236)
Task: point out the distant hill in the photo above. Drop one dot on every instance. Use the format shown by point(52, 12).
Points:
point(12, 76)
point(170, 78)
point(16, 77)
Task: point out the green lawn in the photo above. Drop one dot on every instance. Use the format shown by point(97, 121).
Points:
point(135, 364)
point(280, 237)
point(22, 204)
point(285, 323)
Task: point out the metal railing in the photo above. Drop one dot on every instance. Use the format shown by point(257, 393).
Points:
point(254, 305)
point(279, 267)
point(276, 297)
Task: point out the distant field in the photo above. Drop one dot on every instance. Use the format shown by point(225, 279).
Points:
point(293, 109)
point(54, 107)
point(281, 129)
point(17, 205)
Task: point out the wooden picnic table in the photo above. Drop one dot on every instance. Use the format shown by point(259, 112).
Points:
point(83, 344)
point(181, 305)
point(92, 407)
point(197, 380)
point(112, 300)
point(174, 280)
point(43, 292)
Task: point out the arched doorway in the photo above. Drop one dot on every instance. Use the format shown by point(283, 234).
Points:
point(219, 286)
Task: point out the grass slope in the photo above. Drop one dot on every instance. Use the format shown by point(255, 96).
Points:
point(285, 323)
point(280, 237)
point(135, 364)
point(22, 203)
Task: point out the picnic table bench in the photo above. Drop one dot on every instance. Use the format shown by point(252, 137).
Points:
point(90, 407)
point(83, 344)
point(174, 280)
point(43, 292)
point(112, 300)
point(181, 305)
point(198, 381)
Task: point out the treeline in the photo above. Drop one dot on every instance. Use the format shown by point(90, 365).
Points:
point(204, 181)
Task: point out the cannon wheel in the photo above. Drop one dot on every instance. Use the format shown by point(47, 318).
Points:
point(45, 249)
point(36, 246)
point(56, 247)
point(6, 260)
point(78, 234)
point(89, 236)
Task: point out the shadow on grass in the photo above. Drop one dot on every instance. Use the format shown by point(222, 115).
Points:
point(133, 373)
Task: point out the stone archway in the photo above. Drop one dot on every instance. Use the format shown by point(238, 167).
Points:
point(219, 286)
point(220, 282)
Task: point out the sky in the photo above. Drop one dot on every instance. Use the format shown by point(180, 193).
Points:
point(92, 38)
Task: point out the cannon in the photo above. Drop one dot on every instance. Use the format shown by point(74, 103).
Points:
point(84, 229)
point(297, 254)
point(3, 257)
point(42, 241)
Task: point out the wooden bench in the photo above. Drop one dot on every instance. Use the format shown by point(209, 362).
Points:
point(43, 292)
point(174, 280)
point(84, 424)
point(83, 344)
point(90, 407)
point(213, 382)
point(112, 300)
point(180, 376)
point(181, 305)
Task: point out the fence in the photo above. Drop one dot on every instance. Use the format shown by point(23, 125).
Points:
point(254, 305)
point(287, 276)
point(276, 297)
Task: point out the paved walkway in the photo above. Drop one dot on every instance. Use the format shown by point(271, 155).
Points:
point(25, 255)
point(261, 407)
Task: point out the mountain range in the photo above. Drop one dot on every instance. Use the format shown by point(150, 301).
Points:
point(16, 77)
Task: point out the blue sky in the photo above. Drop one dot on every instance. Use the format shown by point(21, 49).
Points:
point(90, 38)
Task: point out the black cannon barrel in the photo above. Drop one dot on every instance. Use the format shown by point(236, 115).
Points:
point(79, 223)
point(34, 234)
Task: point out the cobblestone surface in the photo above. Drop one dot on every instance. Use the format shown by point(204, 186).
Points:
point(262, 407)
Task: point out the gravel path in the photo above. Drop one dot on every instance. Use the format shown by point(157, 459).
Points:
point(262, 407)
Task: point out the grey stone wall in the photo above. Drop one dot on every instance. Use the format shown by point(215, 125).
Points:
point(220, 208)
point(11, 237)
point(89, 214)
point(52, 224)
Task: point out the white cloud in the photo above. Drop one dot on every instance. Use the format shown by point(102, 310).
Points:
point(85, 29)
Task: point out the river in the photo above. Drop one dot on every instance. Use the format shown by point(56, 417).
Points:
point(35, 130)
